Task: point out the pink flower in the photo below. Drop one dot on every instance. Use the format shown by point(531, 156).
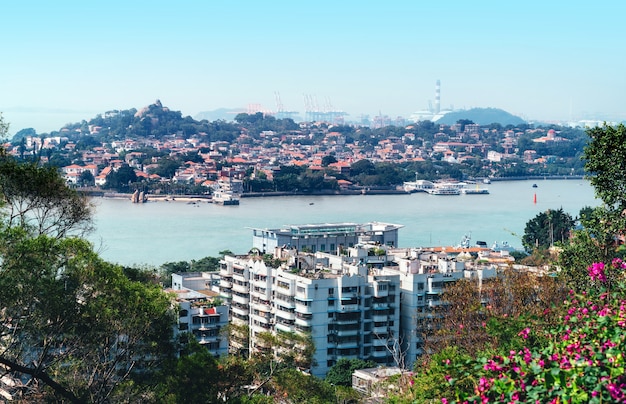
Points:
point(524, 333)
point(596, 272)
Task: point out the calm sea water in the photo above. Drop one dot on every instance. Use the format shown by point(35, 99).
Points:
point(159, 232)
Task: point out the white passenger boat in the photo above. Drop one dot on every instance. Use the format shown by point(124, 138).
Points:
point(222, 197)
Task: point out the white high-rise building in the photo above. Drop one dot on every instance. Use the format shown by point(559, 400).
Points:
point(349, 312)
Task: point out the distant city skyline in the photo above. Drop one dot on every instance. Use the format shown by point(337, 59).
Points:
point(68, 61)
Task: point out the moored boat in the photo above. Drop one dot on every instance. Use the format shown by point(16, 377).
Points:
point(222, 197)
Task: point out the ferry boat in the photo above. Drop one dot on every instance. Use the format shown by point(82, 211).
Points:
point(222, 197)
point(445, 188)
point(444, 191)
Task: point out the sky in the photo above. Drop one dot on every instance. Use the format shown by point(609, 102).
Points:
point(552, 60)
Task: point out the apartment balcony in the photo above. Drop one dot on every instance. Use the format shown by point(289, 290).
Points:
point(347, 318)
point(241, 299)
point(261, 306)
point(241, 288)
point(261, 319)
point(348, 333)
point(379, 317)
point(301, 308)
point(380, 306)
point(381, 293)
point(380, 330)
point(379, 354)
point(225, 273)
point(379, 342)
point(226, 283)
point(284, 327)
point(349, 307)
point(226, 294)
point(287, 315)
point(347, 344)
point(284, 288)
point(259, 294)
point(303, 322)
point(240, 311)
point(208, 340)
point(290, 304)
point(205, 326)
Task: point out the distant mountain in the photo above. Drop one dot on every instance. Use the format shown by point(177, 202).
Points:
point(221, 114)
point(481, 116)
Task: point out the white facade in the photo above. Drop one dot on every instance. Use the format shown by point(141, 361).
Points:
point(200, 313)
point(349, 313)
point(205, 323)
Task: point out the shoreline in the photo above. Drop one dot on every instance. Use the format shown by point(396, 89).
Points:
point(344, 192)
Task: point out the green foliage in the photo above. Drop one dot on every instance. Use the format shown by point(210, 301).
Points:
point(577, 358)
point(547, 228)
point(21, 135)
point(340, 374)
point(193, 378)
point(328, 160)
point(75, 328)
point(121, 179)
point(86, 179)
point(297, 387)
point(38, 199)
point(581, 361)
point(430, 375)
point(78, 318)
point(605, 160)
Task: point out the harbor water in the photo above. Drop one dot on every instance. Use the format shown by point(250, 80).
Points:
point(157, 232)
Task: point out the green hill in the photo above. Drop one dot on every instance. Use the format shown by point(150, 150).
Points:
point(481, 116)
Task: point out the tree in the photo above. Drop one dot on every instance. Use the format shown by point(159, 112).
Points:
point(474, 317)
point(167, 167)
point(340, 374)
point(74, 327)
point(37, 199)
point(328, 160)
point(192, 378)
point(86, 178)
point(547, 228)
point(592, 242)
point(605, 161)
point(362, 167)
point(121, 178)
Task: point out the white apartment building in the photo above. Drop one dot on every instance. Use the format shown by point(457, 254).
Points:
point(200, 313)
point(349, 312)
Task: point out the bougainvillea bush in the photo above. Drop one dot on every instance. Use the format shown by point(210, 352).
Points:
point(581, 359)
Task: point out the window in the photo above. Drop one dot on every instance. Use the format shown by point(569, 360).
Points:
point(331, 291)
point(420, 286)
point(323, 247)
point(332, 247)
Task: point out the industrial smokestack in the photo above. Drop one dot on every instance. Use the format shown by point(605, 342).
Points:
point(437, 97)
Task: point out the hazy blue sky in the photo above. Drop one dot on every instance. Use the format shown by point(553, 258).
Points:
point(65, 61)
